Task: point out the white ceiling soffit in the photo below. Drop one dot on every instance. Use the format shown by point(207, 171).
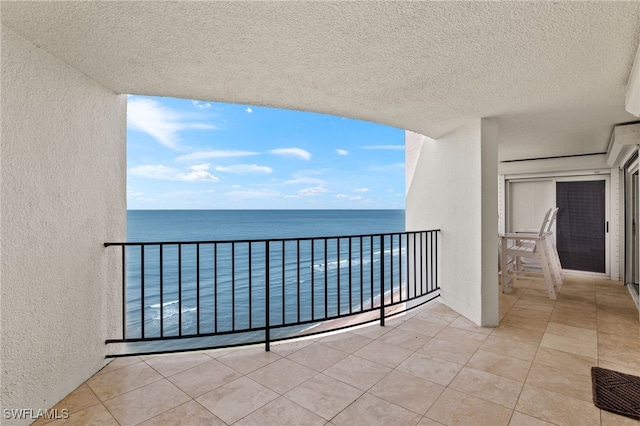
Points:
point(554, 73)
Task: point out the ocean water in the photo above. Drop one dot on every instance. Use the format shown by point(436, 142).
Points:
point(208, 225)
point(221, 287)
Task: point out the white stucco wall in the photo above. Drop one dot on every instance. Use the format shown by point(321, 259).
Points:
point(454, 189)
point(63, 194)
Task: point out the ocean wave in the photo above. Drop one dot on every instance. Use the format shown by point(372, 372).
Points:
point(355, 262)
point(157, 305)
point(334, 265)
point(394, 252)
point(169, 310)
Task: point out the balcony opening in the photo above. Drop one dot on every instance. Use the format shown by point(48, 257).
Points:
point(248, 224)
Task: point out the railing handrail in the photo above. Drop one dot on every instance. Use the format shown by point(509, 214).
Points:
point(262, 240)
point(399, 266)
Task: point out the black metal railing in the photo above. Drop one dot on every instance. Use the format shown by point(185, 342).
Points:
point(180, 296)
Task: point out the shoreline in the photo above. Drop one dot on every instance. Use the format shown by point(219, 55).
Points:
point(340, 324)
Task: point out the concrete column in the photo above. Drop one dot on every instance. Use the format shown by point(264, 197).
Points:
point(452, 186)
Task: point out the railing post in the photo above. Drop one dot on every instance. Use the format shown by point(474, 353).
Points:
point(124, 292)
point(142, 291)
point(437, 234)
point(267, 332)
point(382, 280)
point(162, 292)
point(179, 289)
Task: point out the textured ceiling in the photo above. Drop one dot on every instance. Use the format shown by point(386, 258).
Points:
point(553, 73)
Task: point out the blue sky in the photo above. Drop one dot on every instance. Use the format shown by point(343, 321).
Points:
point(184, 154)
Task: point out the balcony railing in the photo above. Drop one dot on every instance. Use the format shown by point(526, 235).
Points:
point(181, 296)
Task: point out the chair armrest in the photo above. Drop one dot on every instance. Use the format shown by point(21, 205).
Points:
point(512, 236)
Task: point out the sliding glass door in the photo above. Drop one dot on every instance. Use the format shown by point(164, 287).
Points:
point(582, 225)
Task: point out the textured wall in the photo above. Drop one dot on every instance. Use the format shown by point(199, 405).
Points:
point(63, 194)
point(454, 189)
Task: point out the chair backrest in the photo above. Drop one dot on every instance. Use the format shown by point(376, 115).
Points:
point(552, 219)
point(545, 223)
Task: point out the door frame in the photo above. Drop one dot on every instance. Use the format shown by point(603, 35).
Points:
point(631, 168)
point(571, 177)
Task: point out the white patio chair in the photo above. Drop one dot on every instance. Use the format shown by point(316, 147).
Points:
point(518, 248)
point(531, 265)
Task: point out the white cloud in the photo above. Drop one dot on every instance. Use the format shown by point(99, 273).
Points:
point(199, 173)
point(292, 152)
point(244, 168)
point(161, 123)
point(132, 193)
point(201, 105)
point(186, 193)
point(316, 190)
point(349, 197)
point(388, 147)
point(305, 176)
point(388, 167)
point(203, 155)
point(249, 110)
point(254, 194)
point(342, 152)
point(305, 179)
point(178, 193)
point(200, 167)
point(361, 190)
point(154, 171)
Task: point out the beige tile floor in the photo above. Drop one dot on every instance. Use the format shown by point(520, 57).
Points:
point(430, 367)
